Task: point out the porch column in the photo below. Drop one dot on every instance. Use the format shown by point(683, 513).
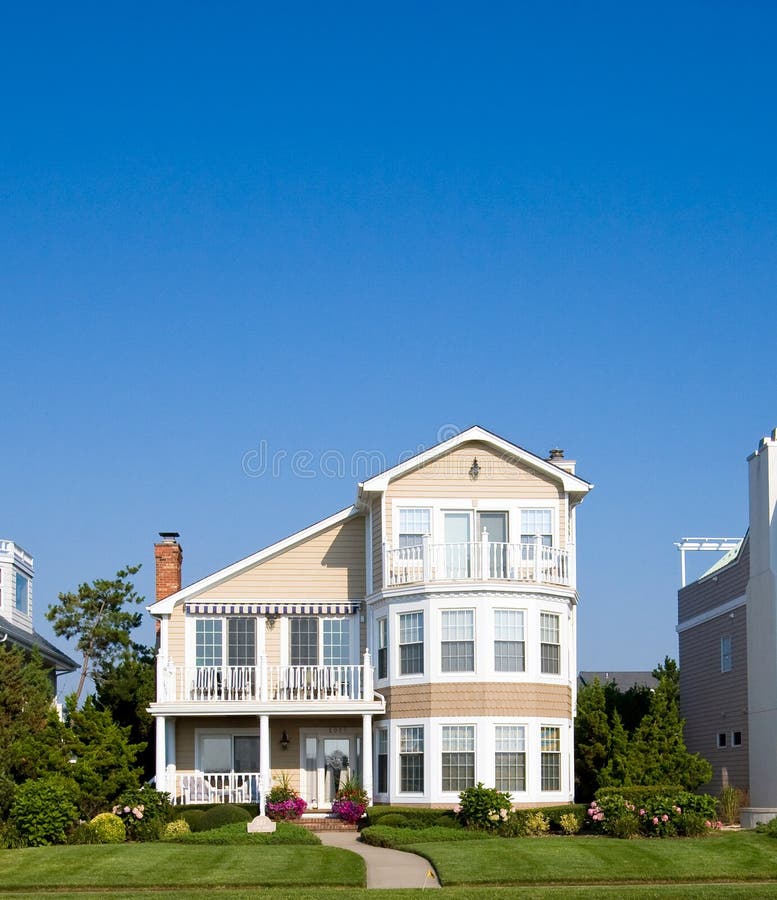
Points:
point(367, 756)
point(264, 759)
point(161, 754)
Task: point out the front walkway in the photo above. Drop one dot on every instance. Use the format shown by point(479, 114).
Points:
point(385, 868)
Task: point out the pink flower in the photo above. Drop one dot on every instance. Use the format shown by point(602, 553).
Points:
point(655, 820)
point(708, 824)
point(126, 809)
point(665, 818)
point(642, 812)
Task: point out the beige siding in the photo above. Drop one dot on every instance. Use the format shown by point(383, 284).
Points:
point(377, 545)
point(501, 478)
point(328, 566)
point(711, 591)
point(478, 699)
point(712, 701)
point(272, 643)
point(176, 641)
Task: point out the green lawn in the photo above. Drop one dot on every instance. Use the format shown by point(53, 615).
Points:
point(177, 865)
point(728, 856)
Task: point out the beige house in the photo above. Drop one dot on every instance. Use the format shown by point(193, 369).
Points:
point(422, 639)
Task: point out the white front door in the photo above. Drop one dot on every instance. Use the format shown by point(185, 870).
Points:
point(330, 760)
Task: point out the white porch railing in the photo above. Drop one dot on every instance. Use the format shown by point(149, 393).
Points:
point(481, 560)
point(215, 787)
point(265, 683)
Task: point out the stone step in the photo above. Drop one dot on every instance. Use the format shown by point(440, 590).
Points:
point(325, 823)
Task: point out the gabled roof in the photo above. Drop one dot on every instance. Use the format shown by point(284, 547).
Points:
point(165, 606)
point(30, 639)
point(572, 484)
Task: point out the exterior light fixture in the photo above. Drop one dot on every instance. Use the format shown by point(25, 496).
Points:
point(284, 741)
point(474, 469)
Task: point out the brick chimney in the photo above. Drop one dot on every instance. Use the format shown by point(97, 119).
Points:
point(168, 554)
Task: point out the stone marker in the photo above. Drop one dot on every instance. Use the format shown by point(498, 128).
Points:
point(261, 823)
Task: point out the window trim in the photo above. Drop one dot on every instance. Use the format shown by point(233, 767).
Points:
point(471, 640)
point(421, 729)
point(382, 643)
point(556, 754)
point(471, 753)
point(543, 644)
point(726, 654)
point(400, 666)
point(522, 730)
point(522, 613)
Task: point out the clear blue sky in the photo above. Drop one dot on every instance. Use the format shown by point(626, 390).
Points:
point(345, 226)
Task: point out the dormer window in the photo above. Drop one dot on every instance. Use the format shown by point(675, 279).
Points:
point(22, 593)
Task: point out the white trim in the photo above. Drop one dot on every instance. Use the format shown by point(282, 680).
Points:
point(169, 603)
point(571, 483)
point(711, 614)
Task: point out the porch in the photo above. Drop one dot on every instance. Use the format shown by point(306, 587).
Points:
point(482, 560)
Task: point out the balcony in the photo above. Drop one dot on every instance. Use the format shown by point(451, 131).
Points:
point(270, 686)
point(481, 560)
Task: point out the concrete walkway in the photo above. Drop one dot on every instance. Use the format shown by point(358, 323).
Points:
point(385, 868)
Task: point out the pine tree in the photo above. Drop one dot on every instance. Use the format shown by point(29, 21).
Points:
point(592, 739)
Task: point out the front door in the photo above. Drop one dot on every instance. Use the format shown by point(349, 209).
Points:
point(330, 761)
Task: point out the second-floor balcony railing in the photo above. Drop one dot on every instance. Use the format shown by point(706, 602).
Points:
point(265, 683)
point(481, 560)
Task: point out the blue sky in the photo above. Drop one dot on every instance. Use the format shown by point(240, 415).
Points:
point(345, 227)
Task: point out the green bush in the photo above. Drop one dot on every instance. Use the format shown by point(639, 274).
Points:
point(638, 793)
point(384, 836)
point(482, 807)
point(692, 824)
point(236, 833)
point(417, 817)
point(195, 818)
point(570, 823)
point(768, 828)
point(554, 814)
point(7, 790)
point(43, 809)
point(395, 820)
point(109, 828)
point(174, 830)
point(145, 812)
point(537, 824)
point(446, 820)
point(652, 815)
point(10, 839)
point(224, 814)
point(83, 833)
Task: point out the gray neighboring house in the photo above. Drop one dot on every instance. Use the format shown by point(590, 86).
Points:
point(727, 627)
point(16, 576)
point(624, 681)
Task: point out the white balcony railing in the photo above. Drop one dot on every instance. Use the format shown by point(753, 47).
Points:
point(481, 560)
point(265, 683)
point(214, 787)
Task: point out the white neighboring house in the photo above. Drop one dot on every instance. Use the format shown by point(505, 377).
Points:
point(422, 639)
point(17, 572)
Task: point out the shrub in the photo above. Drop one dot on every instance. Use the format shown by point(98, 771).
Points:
point(145, 812)
point(10, 839)
point(653, 815)
point(640, 792)
point(175, 829)
point(482, 807)
point(446, 820)
point(416, 817)
point(43, 809)
point(109, 828)
point(729, 803)
point(236, 833)
point(693, 824)
point(768, 828)
point(83, 833)
point(224, 814)
point(537, 824)
point(283, 802)
point(395, 820)
point(7, 789)
point(570, 823)
point(195, 818)
point(384, 836)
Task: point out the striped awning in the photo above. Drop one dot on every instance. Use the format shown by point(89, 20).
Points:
point(238, 608)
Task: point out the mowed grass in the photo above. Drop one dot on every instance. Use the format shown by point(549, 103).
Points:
point(127, 866)
point(730, 856)
point(591, 892)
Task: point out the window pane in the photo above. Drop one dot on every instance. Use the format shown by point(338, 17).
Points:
point(246, 753)
point(550, 651)
point(304, 641)
point(458, 757)
point(22, 589)
point(216, 753)
point(337, 642)
point(536, 522)
point(411, 647)
point(411, 759)
point(242, 642)
point(509, 649)
point(208, 639)
point(382, 648)
point(550, 758)
point(413, 525)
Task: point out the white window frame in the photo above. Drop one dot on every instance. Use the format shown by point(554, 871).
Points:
point(446, 732)
point(521, 751)
point(353, 638)
point(400, 753)
point(382, 623)
point(523, 614)
point(232, 733)
point(557, 754)
point(400, 644)
point(558, 644)
point(457, 612)
point(413, 508)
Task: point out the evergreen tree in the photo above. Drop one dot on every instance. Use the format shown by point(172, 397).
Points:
point(592, 739)
point(614, 772)
point(657, 751)
point(96, 616)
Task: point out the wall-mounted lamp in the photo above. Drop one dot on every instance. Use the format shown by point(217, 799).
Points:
point(474, 469)
point(284, 741)
point(270, 619)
